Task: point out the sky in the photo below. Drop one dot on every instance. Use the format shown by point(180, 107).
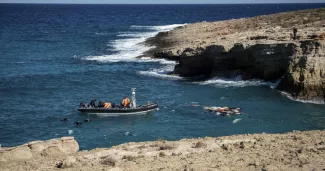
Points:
point(159, 1)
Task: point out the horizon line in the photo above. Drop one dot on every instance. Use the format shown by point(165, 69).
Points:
point(161, 3)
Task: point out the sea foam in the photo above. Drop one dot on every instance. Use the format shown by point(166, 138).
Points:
point(236, 82)
point(129, 46)
point(299, 100)
point(162, 72)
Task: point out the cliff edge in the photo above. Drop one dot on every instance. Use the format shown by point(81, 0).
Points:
point(286, 46)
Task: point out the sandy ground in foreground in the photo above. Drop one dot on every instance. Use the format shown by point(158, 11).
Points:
point(289, 151)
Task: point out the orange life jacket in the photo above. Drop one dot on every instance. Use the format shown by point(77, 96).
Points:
point(107, 105)
point(126, 102)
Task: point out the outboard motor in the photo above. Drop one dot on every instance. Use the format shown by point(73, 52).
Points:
point(134, 101)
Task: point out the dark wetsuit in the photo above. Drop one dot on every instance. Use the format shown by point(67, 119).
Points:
point(92, 103)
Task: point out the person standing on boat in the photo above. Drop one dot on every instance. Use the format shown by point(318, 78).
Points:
point(126, 102)
point(92, 103)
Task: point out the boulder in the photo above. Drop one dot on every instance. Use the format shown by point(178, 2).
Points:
point(36, 146)
point(53, 147)
point(16, 153)
point(69, 161)
point(69, 145)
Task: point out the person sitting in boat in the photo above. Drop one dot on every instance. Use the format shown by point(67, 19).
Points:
point(92, 103)
point(107, 105)
point(101, 104)
point(115, 106)
point(126, 102)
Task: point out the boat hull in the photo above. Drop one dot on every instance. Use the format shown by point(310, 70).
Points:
point(120, 111)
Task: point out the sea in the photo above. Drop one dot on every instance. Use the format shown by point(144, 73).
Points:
point(54, 56)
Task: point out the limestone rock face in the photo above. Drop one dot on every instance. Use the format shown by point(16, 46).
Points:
point(305, 77)
point(287, 46)
point(263, 61)
point(53, 147)
point(299, 65)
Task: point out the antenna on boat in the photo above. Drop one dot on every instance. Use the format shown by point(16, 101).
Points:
point(134, 101)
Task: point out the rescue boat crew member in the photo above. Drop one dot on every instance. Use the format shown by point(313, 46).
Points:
point(107, 105)
point(92, 103)
point(126, 102)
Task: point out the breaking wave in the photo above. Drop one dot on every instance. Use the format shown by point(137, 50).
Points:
point(129, 46)
point(299, 100)
point(158, 28)
point(236, 82)
point(161, 73)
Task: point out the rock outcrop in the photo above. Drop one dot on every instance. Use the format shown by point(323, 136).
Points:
point(305, 76)
point(50, 148)
point(285, 46)
point(290, 151)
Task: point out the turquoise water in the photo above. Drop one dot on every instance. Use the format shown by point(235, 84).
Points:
point(55, 56)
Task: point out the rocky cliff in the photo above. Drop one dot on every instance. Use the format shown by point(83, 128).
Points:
point(305, 76)
point(287, 46)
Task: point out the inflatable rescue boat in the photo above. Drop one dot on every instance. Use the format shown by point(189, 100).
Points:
point(116, 110)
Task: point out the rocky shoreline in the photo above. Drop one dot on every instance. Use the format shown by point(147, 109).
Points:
point(285, 47)
point(290, 151)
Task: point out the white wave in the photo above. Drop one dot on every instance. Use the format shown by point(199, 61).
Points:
point(302, 101)
point(274, 85)
point(129, 47)
point(136, 34)
point(102, 33)
point(162, 61)
point(235, 82)
point(158, 28)
point(161, 73)
point(126, 50)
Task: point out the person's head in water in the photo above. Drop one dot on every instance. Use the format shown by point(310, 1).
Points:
point(64, 119)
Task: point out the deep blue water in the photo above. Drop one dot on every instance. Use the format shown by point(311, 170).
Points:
point(54, 56)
